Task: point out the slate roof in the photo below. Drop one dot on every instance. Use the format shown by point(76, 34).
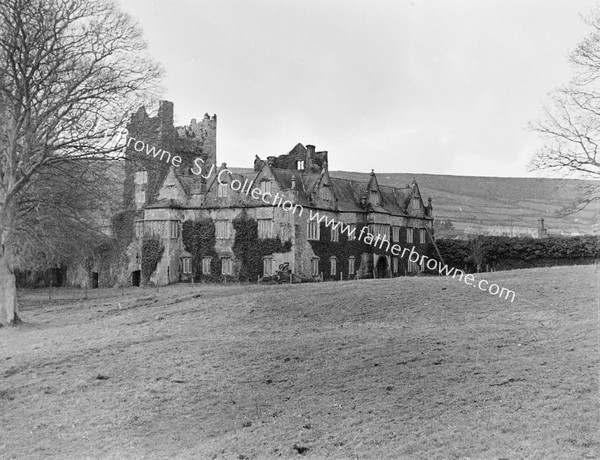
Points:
point(350, 195)
point(191, 184)
point(166, 203)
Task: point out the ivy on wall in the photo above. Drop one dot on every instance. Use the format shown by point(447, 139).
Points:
point(250, 250)
point(152, 250)
point(122, 228)
point(324, 248)
point(343, 249)
point(199, 239)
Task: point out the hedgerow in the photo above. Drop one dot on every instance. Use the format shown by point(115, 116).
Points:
point(499, 251)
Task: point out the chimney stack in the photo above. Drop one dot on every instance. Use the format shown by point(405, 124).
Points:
point(270, 161)
point(542, 231)
point(310, 156)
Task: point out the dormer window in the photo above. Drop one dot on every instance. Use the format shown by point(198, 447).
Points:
point(265, 187)
point(416, 202)
point(374, 198)
point(141, 177)
point(300, 165)
point(325, 193)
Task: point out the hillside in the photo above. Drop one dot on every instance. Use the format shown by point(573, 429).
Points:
point(373, 369)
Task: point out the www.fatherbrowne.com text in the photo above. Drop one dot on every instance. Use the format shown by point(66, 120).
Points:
point(364, 236)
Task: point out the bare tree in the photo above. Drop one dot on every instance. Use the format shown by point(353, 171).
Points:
point(62, 63)
point(62, 224)
point(570, 124)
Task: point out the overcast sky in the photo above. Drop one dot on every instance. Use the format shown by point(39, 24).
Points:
point(443, 87)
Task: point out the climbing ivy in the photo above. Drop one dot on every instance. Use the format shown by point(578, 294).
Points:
point(152, 250)
point(250, 250)
point(199, 239)
point(343, 249)
point(122, 228)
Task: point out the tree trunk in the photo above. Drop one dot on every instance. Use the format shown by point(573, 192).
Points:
point(9, 308)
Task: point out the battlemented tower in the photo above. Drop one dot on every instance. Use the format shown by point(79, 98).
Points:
point(145, 173)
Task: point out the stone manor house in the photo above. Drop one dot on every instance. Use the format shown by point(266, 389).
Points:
point(209, 231)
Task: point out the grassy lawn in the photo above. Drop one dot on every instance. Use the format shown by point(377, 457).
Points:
point(399, 368)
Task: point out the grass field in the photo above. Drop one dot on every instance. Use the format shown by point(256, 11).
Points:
point(399, 368)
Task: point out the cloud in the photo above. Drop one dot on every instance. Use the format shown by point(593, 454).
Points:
point(421, 86)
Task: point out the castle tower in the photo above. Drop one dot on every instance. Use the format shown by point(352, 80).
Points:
point(206, 131)
point(145, 172)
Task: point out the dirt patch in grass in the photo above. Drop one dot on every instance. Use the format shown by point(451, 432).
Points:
point(400, 368)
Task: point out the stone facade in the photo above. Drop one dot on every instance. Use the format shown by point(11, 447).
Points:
point(289, 188)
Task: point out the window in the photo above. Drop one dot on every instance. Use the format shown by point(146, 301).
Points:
point(325, 193)
point(333, 266)
point(139, 228)
point(395, 264)
point(140, 198)
point(313, 231)
point(265, 186)
point(413, 267)
point(226, 266)
point(374, 198)
point(300, 165)
point(351, 232)
point(396, 233)
point(335, 234)
point(379, 229)
point(206, 261)
point(265, 228)
point(284, 234)
point(314, 266)
point(222, 191)
point(422, 236)
point(268, 266)
point(416, 202)
point(409, 235)
point(351, 265)
point(187, 265)
point(222, 227)
point(174, 229)
point(140, 177)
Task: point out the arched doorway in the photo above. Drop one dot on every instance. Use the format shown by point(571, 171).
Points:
point(382, 267)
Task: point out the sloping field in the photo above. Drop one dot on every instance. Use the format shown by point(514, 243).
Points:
point(372, 369)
